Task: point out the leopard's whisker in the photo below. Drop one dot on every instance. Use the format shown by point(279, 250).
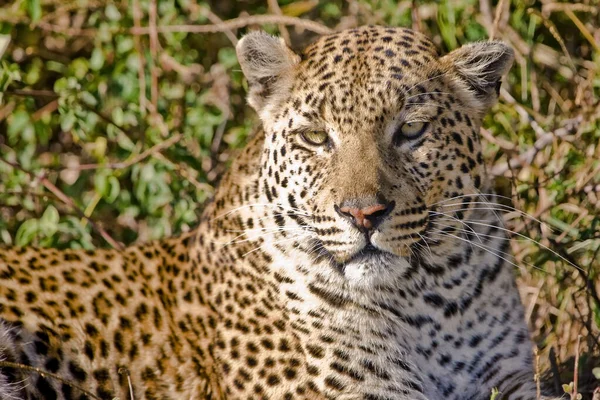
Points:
point(456, 219)
point(296, 237)
point(296, 210)
point(480, 194)
point(423, 247)
point(494, 207)
point(530, 239)
point(480, 234)
point(258, 236)
point(507, 254)
point(490, 250)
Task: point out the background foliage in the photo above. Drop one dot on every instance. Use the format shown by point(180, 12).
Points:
point(118, 118)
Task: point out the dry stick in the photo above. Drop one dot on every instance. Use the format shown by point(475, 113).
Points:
point(555, 370)
point(551, 7)
point(126, 372)
point(552, 28)
point(43, 374)
point(576, 369)
point(7, 110)
point(542, 142)
point(215, 19)
point(66, 200)
point(137, 16)
point(184, 173)
point(48, 27)
point(538, 389)
point(274, 8)
point(154, 55)
point(32, 92)
point(157, 148)
point(48, 108)
point(496, 23)
point(415, 17)
point(237, 23)
point(582, 28)
point(231, 24)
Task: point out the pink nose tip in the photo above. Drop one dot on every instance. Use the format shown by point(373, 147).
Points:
point(366, 217)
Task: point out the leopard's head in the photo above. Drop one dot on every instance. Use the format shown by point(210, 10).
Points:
point(368, 130)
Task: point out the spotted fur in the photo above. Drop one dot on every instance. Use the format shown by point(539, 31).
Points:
point(283, 291)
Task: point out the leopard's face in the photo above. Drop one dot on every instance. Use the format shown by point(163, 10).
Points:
point(367, 133)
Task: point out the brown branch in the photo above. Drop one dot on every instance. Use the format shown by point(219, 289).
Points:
point(182, 171)
point(415, 17)
point(554, 369)
point(43, 374)
point(576, 369)
point(69, 31)
point(237, 23)
point(228, 25)
point(542, 142)
point(126, 164)
point(137, 16)
point(582, 28)
point(496, 23)
point(537, 376)
point(66, 200)
point(32, 93)
point(154, 45)
point(47, 109)
point(7, 110)
point(215, 19)
point(274, 8)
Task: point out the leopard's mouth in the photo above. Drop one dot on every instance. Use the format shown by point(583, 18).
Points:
point(369, 252)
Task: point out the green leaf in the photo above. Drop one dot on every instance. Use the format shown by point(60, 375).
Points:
point(34, 8)
point(88, 98)
point(101, 183)
point(48, 224)
point(68, 121)
point(27, 232)
point(112, 12)
point(17, 124)
point(97, 59)
point(4, 41)
point(113, 190)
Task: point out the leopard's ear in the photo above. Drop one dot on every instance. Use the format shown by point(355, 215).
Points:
point(268, 64)
point(476, 69)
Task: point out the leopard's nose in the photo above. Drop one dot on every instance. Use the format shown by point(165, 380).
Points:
point(365, 213)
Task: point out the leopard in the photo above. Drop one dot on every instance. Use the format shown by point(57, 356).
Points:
point(352, 250)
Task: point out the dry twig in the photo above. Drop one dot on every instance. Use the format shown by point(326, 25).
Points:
point(154, 45)
point(576, 370)
point(43, 374)
point(237, 23)
point(152, 151)
point(544, 140)
point(137, 16)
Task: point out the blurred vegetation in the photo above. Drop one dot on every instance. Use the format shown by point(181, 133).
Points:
point(118, 118)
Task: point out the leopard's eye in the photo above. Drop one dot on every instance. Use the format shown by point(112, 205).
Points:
point(412, 130)
point(315, 138)
point(409, 131)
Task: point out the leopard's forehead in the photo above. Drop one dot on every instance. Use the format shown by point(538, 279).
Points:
point(396, 52)
point(362, 78)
